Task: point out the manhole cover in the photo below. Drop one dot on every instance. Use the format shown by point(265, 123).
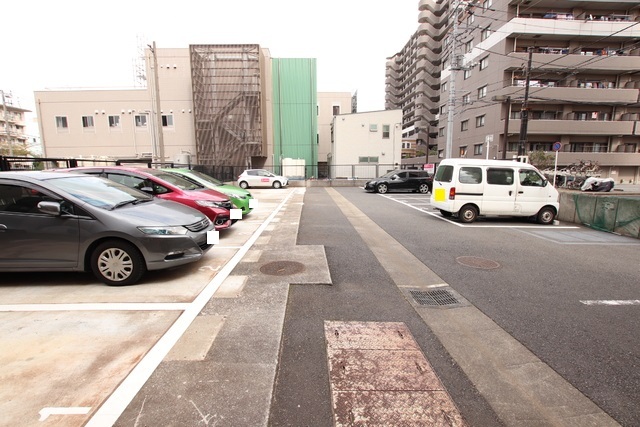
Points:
point(477, 262)
point(282, 268)
point(435, 297)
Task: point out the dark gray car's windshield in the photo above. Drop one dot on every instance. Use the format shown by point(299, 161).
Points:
point(99, 192)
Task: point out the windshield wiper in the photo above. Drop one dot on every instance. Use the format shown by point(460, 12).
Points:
point(123, 203)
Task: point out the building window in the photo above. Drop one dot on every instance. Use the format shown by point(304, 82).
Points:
point(441, 132)
point(485, 33)
point(466, 99)
point(385, 131)
point(464, 125)
point(468, 46)
point(484, 62)
point(87, 122)
point(477, 149)
point(61, 122)
point(482, 92)
point(369, 159)
point(467, 74)
point(480, 121)
point(141, 121)
point(471, 19)
point(336, 110)
point(167, 120)
point(443, 109)
point(114, 121)
point(463, 151)
point(373, 128)
point(443, 87)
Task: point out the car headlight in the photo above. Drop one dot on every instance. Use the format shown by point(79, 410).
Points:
point(210, 204)
point(164, 231)
point(236, 196)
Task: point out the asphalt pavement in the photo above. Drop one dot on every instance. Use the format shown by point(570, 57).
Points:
point(260, 351)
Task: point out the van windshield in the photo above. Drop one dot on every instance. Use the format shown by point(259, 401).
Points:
point(444, 173)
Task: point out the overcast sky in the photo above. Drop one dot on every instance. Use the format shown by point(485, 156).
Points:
point(88, 44)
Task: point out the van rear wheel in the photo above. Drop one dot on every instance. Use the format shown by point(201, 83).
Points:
point(546, 216)
point(468, 214)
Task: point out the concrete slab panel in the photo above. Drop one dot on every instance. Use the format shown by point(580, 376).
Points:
point(48, 362)
point(197, 340)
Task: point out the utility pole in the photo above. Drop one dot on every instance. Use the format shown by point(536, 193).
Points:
point(524, 111)
point(157, 102)
point(455, 66)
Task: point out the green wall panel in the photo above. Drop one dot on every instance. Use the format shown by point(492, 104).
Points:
point(295, 117)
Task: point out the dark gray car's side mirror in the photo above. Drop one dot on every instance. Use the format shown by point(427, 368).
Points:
point(49, 208)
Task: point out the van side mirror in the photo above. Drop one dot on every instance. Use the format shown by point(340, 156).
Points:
point(49, 208)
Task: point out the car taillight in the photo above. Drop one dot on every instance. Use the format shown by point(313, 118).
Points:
point(452, 193)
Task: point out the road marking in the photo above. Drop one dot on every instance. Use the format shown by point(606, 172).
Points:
point(153, 306)
point(71, 410)
point(612, 302)
point(114, 406)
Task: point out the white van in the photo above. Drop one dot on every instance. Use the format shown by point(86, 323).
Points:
point(467, 188)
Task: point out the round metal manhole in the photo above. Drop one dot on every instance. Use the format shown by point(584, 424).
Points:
point(282, 268)
point(477, 262)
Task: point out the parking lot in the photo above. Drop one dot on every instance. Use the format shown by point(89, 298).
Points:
point(68, 341)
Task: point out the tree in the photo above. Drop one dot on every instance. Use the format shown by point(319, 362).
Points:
point(541, 159)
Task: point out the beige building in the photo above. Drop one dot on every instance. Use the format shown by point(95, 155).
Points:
point(109, 124)
point(467, 82)
point(365, 145)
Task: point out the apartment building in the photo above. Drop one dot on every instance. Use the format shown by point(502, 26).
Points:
point(512, 77)
point(13, 134)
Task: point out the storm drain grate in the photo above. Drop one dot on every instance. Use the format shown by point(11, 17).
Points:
point(437, 297)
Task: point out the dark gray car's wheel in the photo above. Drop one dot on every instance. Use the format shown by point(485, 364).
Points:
point(424, 188)
point(277, 184)
point(468, 214)
point(546, 216)
point(243, 184)
point(117, 263)
point(382, 188)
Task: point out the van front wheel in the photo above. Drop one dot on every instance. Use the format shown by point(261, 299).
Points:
point(468, 214)
point(546, 216)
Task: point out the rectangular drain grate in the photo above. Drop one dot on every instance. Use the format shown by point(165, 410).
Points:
point(437, 297)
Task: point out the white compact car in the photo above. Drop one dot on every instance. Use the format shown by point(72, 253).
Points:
point(261, 178)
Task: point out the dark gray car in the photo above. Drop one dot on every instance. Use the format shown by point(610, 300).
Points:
point(52, 221)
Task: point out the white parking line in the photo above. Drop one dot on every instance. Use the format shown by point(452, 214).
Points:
point(612, 302)
point(71, 410)
point(115, 405)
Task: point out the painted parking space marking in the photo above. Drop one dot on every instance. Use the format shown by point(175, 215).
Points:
point(612, 302)
point(71, 410)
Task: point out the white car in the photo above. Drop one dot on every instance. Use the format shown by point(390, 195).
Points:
point(261, 178)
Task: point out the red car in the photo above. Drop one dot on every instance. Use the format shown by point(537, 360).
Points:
point(165, 185)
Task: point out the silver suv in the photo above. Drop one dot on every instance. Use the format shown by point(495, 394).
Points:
point(54, 221)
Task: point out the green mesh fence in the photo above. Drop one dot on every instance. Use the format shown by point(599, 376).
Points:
point(619, 215)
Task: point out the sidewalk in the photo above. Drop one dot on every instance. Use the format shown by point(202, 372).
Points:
point(222, 370)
